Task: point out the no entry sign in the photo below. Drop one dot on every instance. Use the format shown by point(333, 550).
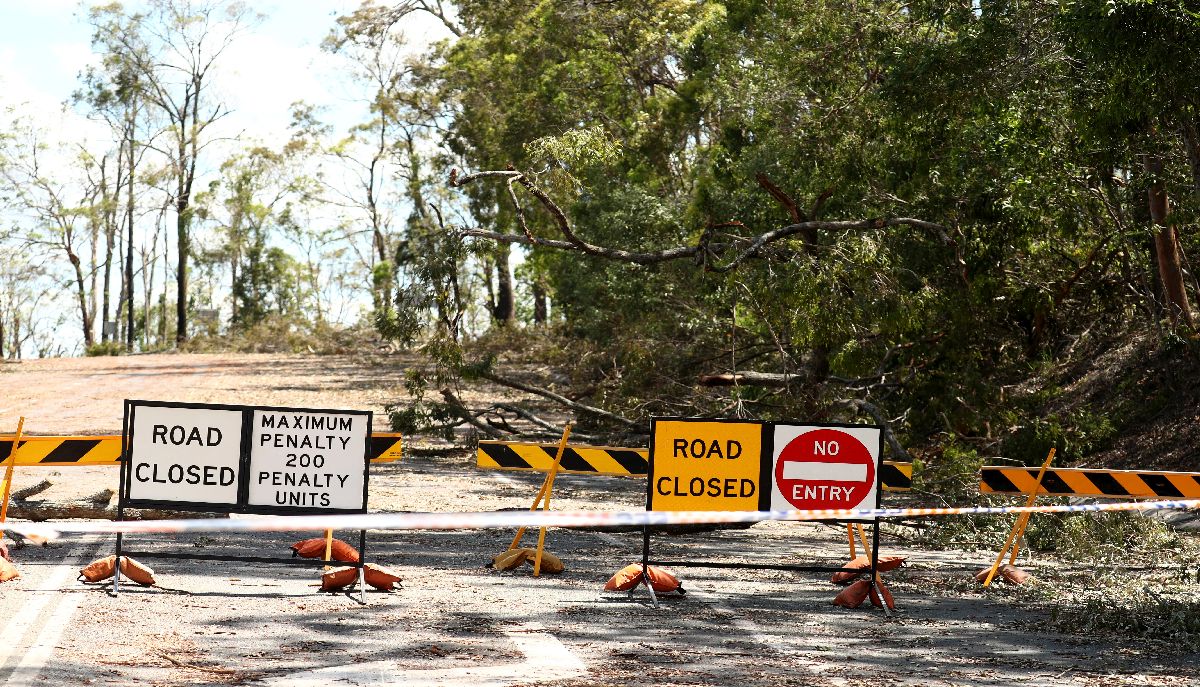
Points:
point(817, 467)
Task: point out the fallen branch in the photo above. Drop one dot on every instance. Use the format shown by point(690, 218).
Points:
point(98, 506)
point(456, 406)
point(544, 424)
point(23, 494)
point(877, 415)
point(751, 378)
point(574, 405)
point(808, 227)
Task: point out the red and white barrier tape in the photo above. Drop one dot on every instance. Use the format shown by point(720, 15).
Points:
point(512, 519)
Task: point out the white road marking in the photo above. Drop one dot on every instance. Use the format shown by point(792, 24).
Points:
point(34, 658)
point(836, 472)
point(546, 659)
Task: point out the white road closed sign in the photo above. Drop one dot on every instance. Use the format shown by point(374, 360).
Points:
point(186, 455)
point(308, 459)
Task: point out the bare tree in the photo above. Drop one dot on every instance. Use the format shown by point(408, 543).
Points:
point(172, 49)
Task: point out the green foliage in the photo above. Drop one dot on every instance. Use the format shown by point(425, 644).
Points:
point(1073, 434)
point(1167, 613)
point(104, 348)
point(1101, 538)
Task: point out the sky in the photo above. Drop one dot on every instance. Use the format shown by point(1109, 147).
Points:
point(46, 44)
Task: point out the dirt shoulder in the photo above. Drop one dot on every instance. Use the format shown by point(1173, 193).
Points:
point(85, 395)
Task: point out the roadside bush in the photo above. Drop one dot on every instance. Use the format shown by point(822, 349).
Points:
point(283, 335)
point(1103, 538)
point(103, 348)
point(1161, 612)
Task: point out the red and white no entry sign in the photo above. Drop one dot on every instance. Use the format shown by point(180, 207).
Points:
point(825, 467)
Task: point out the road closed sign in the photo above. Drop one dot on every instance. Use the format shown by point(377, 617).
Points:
point(185, 455)
point(822, 467)
point(705, 465)
point(307, 460)
point(245, 459)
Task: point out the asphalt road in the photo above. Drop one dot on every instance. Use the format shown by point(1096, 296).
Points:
point(458, 622)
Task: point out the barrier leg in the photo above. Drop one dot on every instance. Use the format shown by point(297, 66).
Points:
point(541, 545)
point(544, 492)
point(649, 586)
point(8, 470)
point(850, 535)
point(1022, 521)
point(328, 548)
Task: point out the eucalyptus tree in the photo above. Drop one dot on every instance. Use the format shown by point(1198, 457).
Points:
point(58, 205)
point(172, 49)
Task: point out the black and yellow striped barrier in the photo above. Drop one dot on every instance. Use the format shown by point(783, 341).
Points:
point(106, 449)
point(1083, 482)
point(610, 460)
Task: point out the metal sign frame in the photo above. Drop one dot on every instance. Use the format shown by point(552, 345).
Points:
point(243, 487)
point(766, 480)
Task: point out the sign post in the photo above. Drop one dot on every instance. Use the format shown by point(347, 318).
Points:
point(243, 459)
point(739, 465)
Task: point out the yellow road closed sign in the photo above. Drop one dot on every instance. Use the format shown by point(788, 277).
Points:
point(705, 465)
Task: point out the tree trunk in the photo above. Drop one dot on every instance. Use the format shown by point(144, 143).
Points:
point(129, 206)
point(505, 303)
point(81, 288)
point(1166, 246)
point(540, 309)
point(181, 287)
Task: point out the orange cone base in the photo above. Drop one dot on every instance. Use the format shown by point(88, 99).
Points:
point(631, 576)
point(8, 571)
point(1009, 573)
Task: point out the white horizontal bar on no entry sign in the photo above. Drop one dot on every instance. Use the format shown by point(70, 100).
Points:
point(834, 472)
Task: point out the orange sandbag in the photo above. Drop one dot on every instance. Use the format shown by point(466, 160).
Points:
point(880, 589)
point(8, 571)
point(102, 569)
point(663, 581)
point(886, 563)
point(853, 596)
point(1009, 573)
point(98, 570)
point(626, 578)
point(142, 574)
point(339, 578)
point(1013, 575)
point(4, 552)
point(309, 548)
point(315, 548)
point(380, 577)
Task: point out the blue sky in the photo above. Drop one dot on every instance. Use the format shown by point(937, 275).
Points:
point(44, 44)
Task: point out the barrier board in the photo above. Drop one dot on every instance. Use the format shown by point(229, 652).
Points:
point(729, 466)
point(105, 449)
point(1124, 484)
point(611, 460)
point(243, 459)
point(734, 465)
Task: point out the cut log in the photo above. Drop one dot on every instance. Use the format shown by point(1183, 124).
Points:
point(750, 378)
point(98, 506)
point(23, 494)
